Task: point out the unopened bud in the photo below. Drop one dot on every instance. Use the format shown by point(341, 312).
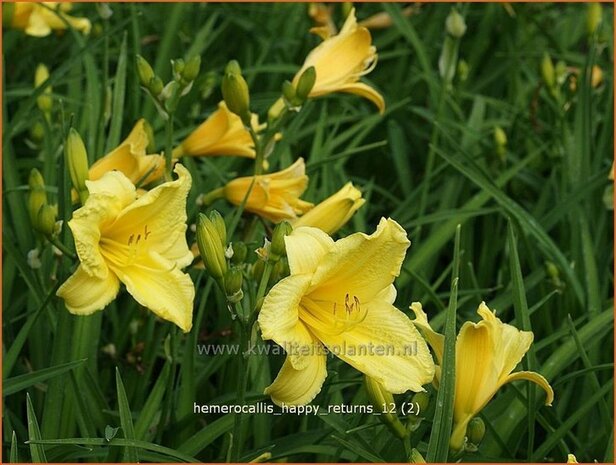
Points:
point(500, 138)
point(233, 284)
point(235, 92)
point(455, 24)
point(145, 71)
point(475, 431)
point(77, 159)
point(383, 401)
point(156, 86)
point(594, 15)
point(239, 252)
point(288, 91)
point(37, 131)
point(306, 83)
point(43, 101)
point(192, 68)
point(278, 249)
point(178, 66)
point(46, 220)
point(211, 247)
point(257, 270)
point(547, 71)
point(416, 457)
point(37, 196)
point(219, 223)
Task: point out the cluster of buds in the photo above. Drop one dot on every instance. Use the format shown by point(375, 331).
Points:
point(166, 97)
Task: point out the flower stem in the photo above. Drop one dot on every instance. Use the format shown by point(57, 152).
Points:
point(169, 147)
point(237, 441)
point(64, 249)
point(209, 198)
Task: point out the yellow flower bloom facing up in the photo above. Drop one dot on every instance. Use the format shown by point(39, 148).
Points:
point(131, 159)
point(341, 60)
point(334, 212)
point(274, 196)
point(486, 355)
point(222, 133)
point(40, 19)
point(339, 296)
point(139, 241)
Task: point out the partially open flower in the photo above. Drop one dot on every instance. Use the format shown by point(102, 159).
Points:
point(274, 196)
point(341, 60)
point(40, 19)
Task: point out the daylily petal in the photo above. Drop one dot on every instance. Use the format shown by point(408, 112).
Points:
point(535, 378)
point(306, 248)
point(364, 90)
point(298, 387)
point(84, 294)
point(385, 346)
point(158, 218)
point(362, 265)
point(158, 284)
point(436, 340)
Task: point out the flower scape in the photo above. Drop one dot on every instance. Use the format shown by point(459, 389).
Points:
point(242, 232)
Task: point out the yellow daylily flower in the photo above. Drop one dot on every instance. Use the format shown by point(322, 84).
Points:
point(571, 458)
point(274, 196)
point(383, 20)
point(339, 296)
point(321, 14)
point(341, 60)
point(222, 133)
point(131, 159)
point(139, 241)
point(486, 354)
point(334, 212)
point(40, 19)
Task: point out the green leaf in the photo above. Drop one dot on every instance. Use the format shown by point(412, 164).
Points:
point(17, 383)
point(126, 420)
point(13, 454)
point(117, 108)
point(34, 433)
point(199, 441)
point(438, 446)
point(152, 405)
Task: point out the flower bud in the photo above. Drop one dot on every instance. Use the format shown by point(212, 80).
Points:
point(475, 431)
point(547, 71)
point(276, 110)
point(77, 159)
point(278, 249)
point(211, 247)
point(145, 71)
point(235, 92)
point(594, 16)
point(383, 402)
point(257, 270)
point(37, 131)
point(416, 457)
point(192, 68)
point(288, 91)
point(178, 67)
point(33, 259)
point(43, 101)
point(455, 24)
point(305, 83)
point(37, 196)
point(219, 223)
point(46, 220)
point(421, 401)
point(233, 284)
point(239, 252)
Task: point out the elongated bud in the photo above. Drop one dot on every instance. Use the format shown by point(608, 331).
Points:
point(233, 284)
point(276, 110)
point(416, 457)
point(421, 400)
point(594, 15)
point(455, 24)
point(211, 247)
point(383, 402)
point(156, 86)
point(46, 220)
point(77, 159)
point(43, 101)
point(278, 249)
point(192, 68)
point(219, 223)
point(475, 431)
point(547, 71)
point(235, 92)
point(257, 270)
point(145, 71)
point(500, 141)
point(288, 91)
point(239, 252)
point(306, 83)
point(37, 196)
point(178, 67)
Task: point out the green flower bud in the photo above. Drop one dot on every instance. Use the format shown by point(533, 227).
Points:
point(421, 401)
point(500, 138)
point(37, 131)
point(145, 71)
point(306, 82)
point(416, 457)
point(257, 270)
point(192, 68)
point(219, 223)
point(278, 249)
point(77, 159)
point(211, 247)
point(475, 431)
point(46, 220)
point(233, 284)
point(37, 196)
point(178, 66)
point(383, 402)
point(276, 110)
point(288, 91)
point(547, 71)
point(463, 70)
point(455, 24)
point(43, 101)
point(239, 252)
point(235, 92)
point(155, 86)
point(594, 14)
